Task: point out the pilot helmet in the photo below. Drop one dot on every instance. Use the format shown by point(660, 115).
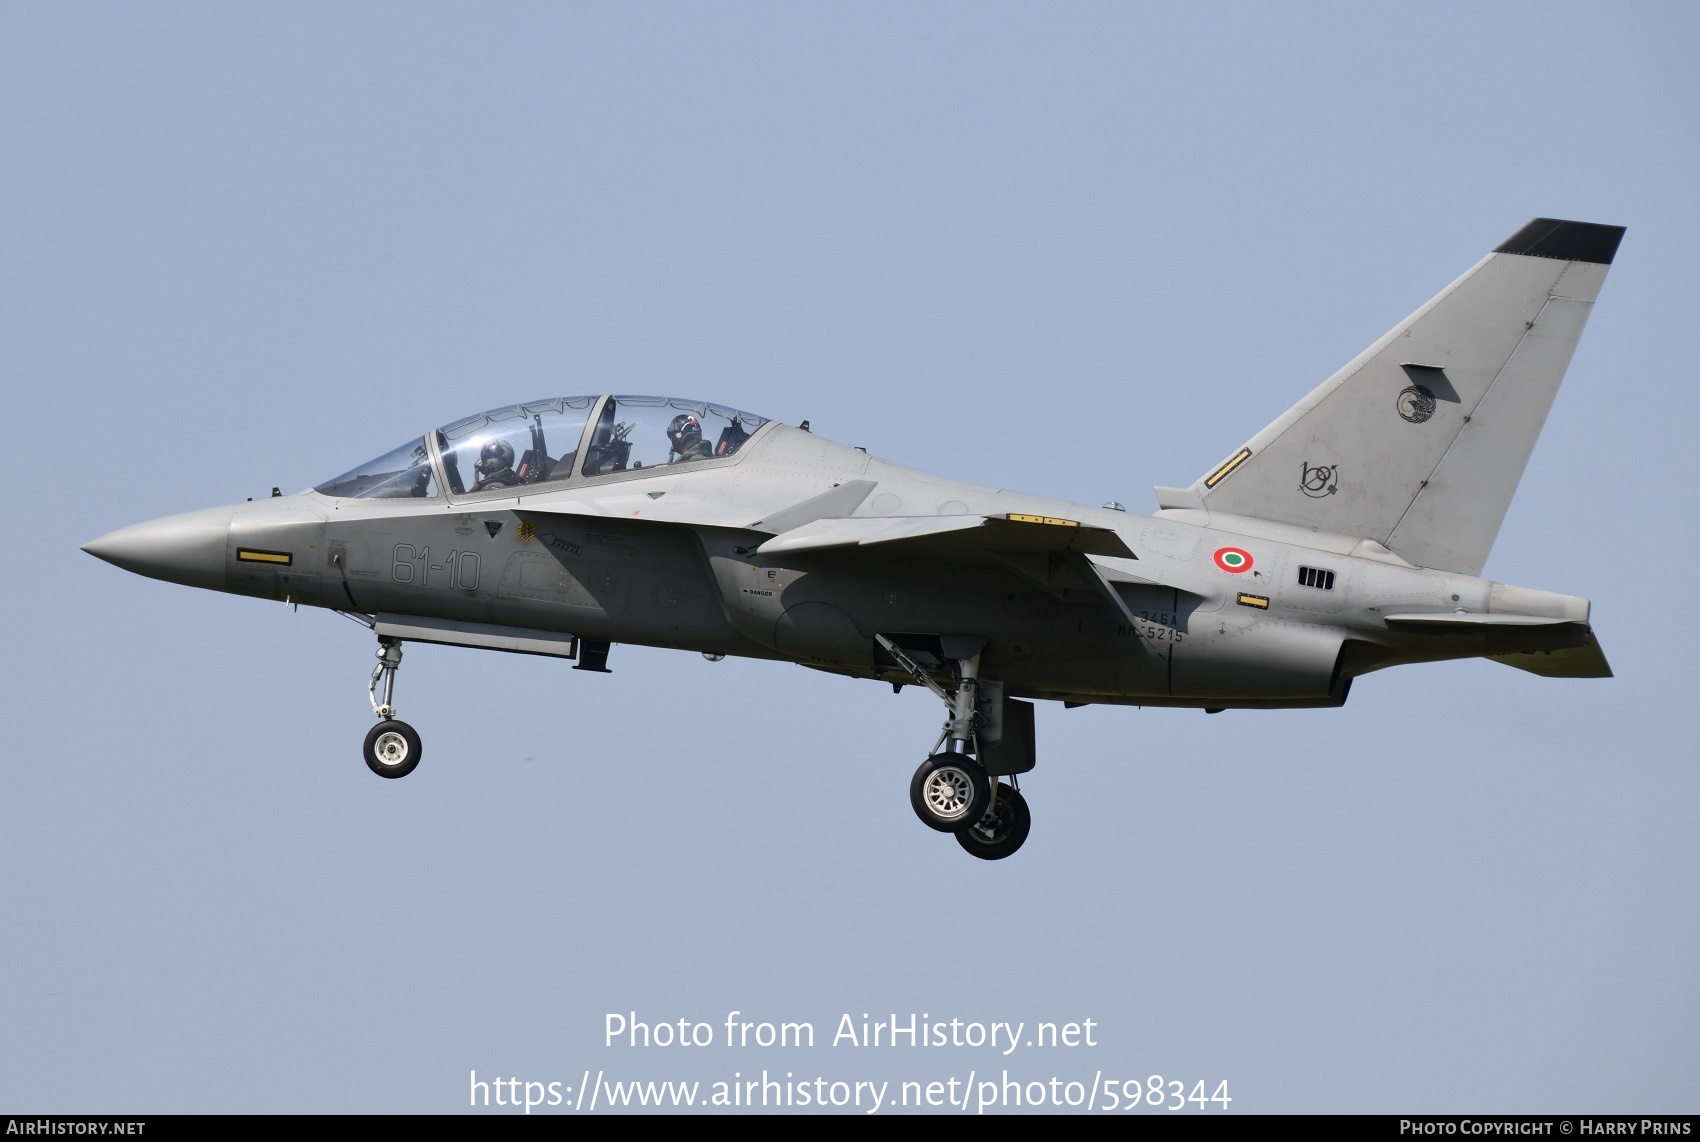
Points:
point(494, 456)
point(684, 431)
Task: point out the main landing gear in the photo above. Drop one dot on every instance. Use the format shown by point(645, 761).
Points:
point(392, 747)
point(1001, 829)
point(951, 791)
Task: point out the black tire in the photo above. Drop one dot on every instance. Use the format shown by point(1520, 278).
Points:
point(949, 792)
point(1001, 829)
point(392, 749)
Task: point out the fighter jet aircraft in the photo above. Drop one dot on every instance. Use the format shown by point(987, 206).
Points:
point(1346, 537)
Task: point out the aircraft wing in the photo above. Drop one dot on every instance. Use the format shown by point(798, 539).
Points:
point(823, 533)
point(952, 535)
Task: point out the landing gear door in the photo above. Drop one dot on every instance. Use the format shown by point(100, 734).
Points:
point(1004, 731)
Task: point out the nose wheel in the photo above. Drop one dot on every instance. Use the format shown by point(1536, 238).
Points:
point(392, 746)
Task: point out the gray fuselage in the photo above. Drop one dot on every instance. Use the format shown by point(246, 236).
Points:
point(666, 556)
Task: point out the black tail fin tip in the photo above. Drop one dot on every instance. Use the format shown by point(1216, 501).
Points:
point(1566, 241)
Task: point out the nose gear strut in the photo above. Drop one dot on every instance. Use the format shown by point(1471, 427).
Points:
point(389, 661)
point(392, 747)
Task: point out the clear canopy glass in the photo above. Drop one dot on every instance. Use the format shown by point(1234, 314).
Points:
point(402, 474)
point(538, 443)
point(636, 432)
point(514, 447)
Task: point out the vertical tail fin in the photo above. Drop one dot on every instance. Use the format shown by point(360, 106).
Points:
point(1420, 441)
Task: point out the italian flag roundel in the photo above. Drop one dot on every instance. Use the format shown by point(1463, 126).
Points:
point(1233, 560)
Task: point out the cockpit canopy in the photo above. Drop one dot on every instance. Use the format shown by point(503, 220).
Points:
point(527, 443)
point(550, 442)
point(395, 475)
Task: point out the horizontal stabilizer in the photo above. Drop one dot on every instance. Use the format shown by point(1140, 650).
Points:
point(1510, 638)
point(1464, 620)
point(1585, 661)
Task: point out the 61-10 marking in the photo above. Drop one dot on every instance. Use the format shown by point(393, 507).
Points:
point(462, 566)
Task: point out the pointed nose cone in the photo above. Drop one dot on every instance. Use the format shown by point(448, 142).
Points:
point(188, 549)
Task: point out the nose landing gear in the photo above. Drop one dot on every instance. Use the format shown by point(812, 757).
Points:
point(392, 747)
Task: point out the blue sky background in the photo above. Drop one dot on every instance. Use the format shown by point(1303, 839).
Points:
point(1073, 249)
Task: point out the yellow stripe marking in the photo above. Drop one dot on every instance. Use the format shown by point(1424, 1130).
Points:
point(1222, 473)
point(1261, 602)
point(246, 556)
